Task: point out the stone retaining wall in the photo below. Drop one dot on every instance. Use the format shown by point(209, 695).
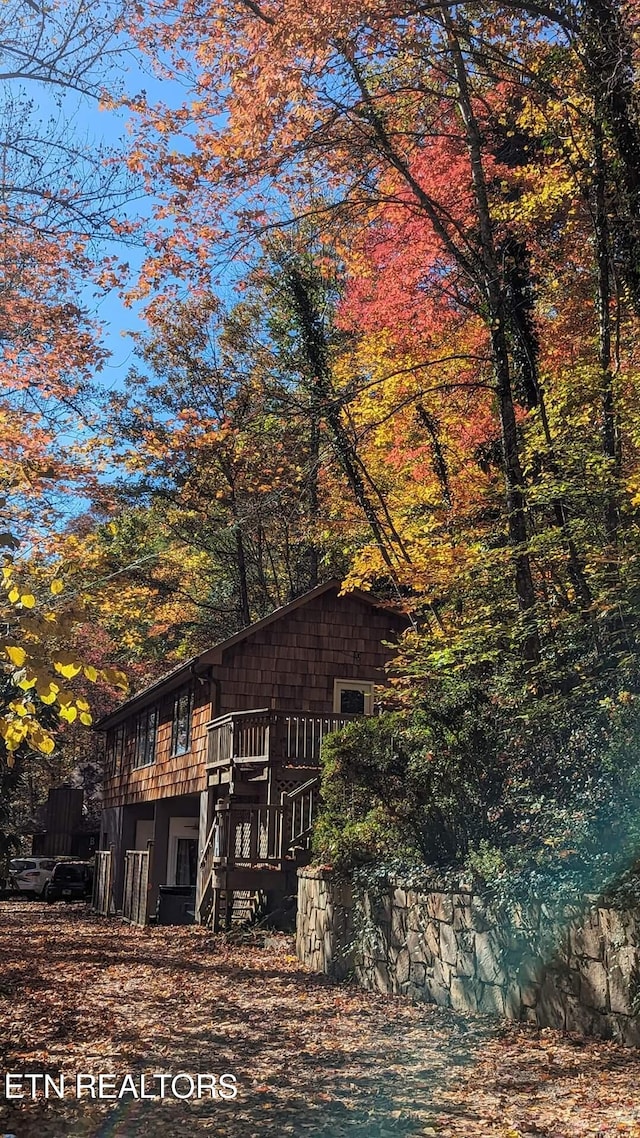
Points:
point(447, 948)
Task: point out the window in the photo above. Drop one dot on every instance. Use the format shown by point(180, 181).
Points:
point(145, 737)
point(353, 697)
point(114, 749)
point(182, 715)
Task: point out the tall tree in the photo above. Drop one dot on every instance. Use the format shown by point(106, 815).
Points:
point(56, 196)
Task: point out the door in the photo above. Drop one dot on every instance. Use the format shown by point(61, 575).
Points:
point(182, 853)
point(186, 861)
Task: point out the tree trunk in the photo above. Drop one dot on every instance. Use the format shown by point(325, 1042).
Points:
point(609, 62)
point(496, 313)
point(610, 446)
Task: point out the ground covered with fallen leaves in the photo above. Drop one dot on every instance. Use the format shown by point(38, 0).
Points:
point(80, 993)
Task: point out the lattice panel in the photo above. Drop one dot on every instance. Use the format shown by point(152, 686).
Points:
point(286, 785)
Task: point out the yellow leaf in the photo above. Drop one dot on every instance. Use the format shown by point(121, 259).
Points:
point(90, 672)
point(42, 742)
point(27, 600)
point(68, 670)
point(27, 683)
point(68, 713)
point(57, 586)
point(16, 654)
point(86, 718)
point(20, 708)
point(14, 734)
point(14, 595)
point(44, 684)
point(117, 678)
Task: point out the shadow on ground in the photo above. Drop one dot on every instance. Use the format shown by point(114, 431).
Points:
point(81, 994)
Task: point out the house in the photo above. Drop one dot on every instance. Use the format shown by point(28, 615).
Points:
point(211, 773)
point(66, 828)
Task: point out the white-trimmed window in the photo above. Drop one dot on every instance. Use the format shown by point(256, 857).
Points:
point(353, 697)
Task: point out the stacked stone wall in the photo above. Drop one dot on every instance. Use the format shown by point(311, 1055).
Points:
point(582, 974)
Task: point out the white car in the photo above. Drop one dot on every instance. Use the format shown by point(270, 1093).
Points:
point(30, 874)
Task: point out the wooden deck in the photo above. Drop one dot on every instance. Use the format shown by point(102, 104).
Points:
point(263, 738)
point(256, 846)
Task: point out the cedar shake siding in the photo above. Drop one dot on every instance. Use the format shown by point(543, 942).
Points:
point(287, 662)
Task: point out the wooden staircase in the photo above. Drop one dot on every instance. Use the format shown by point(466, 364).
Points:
point(239, 908)
point(252, 851)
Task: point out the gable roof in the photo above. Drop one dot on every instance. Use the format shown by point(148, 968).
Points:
point(198, 665)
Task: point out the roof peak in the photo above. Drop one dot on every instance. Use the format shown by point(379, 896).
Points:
point(172, 679)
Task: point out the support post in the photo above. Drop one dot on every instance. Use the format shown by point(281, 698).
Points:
point(207, 810)
point(158, 868)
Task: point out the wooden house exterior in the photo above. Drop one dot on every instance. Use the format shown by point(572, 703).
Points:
point(211, 773)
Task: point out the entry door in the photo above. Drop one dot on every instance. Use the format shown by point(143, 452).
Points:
point(182, 853)
point(186, 861)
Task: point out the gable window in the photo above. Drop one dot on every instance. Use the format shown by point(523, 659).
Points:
point(182, 716)
point(353, 697)
point(146, 727)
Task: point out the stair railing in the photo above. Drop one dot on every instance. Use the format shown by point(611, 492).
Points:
point(299, 807)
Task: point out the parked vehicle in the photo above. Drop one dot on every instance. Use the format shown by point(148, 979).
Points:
point(30, 874)
point(70, 881)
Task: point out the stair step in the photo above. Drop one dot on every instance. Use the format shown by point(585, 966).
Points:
point(243, 908)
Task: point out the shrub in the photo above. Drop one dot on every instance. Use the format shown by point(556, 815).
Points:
point(456, 787)
point(393, 784)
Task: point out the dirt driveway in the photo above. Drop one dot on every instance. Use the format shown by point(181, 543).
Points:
point(82, 995)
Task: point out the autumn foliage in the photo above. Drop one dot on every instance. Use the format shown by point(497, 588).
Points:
point(392, 291)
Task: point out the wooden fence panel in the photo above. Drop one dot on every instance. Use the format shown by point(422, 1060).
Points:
point(136, 880)
point(102, 900)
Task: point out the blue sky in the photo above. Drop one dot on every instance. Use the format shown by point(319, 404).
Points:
point(109, 128)
point(89, 125)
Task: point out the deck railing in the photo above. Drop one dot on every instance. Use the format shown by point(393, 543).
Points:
point(244, 836)
point(251, 835)
point(264, 736)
